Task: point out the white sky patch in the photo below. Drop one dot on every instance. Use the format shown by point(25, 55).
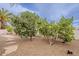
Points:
point(61, 11)
point(14, 9)
point(18, 8)
point(55, 11)
point(66, 12)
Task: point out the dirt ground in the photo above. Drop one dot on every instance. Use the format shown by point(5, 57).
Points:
point(12, 45)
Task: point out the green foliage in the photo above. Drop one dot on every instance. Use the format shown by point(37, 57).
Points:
point(28, 24)
point(4, 17)
point(24, 25)
point(9, 28)
point(20, 27)
point(43, 27)
point(54, 30)
point(63, 29)
point(66, 29)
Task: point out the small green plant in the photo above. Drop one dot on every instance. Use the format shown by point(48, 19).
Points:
point(9, 28)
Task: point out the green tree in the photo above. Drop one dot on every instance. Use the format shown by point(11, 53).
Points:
point(48, 29)
point(60, 30)
point(43, 27)
point(66, 29)
point(4, 17)
point(54, 30)
point(25, 24)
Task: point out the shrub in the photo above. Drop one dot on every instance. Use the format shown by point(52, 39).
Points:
point(9, 28)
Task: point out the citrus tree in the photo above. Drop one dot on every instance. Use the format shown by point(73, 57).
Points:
point(43, 27)
point(61, 30)
point(25, 24)
point(54, 28)
point(66, 29)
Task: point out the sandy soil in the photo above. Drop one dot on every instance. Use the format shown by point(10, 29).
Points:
point(12, 45)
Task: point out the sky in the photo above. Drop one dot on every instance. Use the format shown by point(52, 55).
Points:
point(50, 11)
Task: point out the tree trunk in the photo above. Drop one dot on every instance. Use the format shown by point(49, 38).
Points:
point(45, 37)
point(30, 38)
point(56, 36)
point(52, 41)
point(1, 24)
